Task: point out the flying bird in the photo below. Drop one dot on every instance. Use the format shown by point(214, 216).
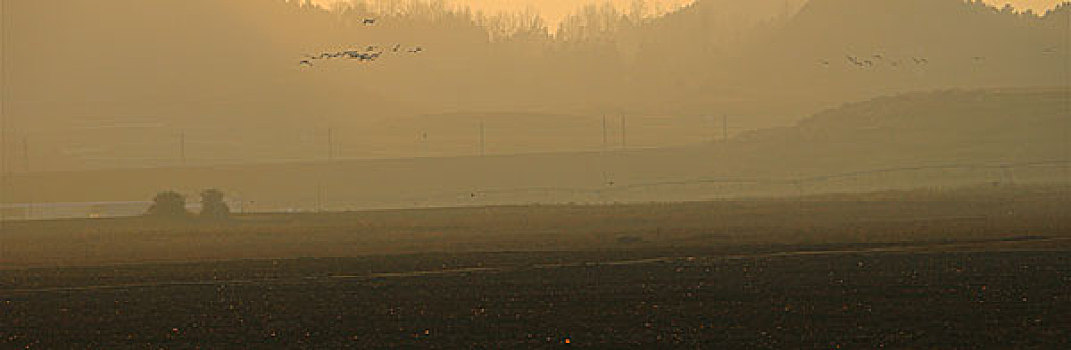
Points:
point(854, 60)
point(369, 21)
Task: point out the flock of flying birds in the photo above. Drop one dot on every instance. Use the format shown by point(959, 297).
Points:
point(876, 59)
point(869, 62)
point(370, 53)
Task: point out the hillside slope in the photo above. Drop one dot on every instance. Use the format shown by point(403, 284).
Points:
point(832, 51)
point(947, 138)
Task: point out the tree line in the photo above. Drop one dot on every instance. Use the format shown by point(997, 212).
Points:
point(172, 205)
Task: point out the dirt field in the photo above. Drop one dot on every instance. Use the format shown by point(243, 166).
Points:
point(1006, 299)
point(971, 268)
point(888, 217)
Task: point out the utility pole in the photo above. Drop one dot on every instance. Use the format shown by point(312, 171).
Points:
point(26, 154)
point(330, 145)
point(424, 142)
point(4, 34)
point(725, 128)
point(1008, 174)
point(604, 134)
point(182, 147)
point(799, 192)
point(483, 140)
point(712, 122)
point(319, 197)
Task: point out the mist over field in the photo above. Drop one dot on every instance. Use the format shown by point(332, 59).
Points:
point(113, 84)
point(97, 85)
point(528, 174)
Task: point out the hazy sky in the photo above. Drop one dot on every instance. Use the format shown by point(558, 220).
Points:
point(143, 73)
point(554, 10)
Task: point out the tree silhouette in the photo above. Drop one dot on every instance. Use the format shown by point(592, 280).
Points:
point(213, 206)
point(168, 204)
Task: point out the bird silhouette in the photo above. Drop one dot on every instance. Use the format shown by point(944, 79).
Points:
point(369, 21)
point(855, 60)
